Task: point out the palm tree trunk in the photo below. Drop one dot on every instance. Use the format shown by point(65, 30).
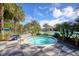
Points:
point(2, 22)
point(14, 27)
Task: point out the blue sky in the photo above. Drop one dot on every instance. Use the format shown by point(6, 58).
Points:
point(51, 13)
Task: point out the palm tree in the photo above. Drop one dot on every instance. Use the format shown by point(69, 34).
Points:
point(66, 29)
point(2, 20)
point(18, 15)
point(76, 25)
point(57, 27)
point(5, 15)
point(9, 12)
point(33, 27)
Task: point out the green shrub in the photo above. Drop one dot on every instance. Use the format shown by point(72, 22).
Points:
point(38, 34)
point(76, 39)
point(45, 34)
point(56, 35)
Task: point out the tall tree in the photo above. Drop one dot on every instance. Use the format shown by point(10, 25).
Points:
point(46, 27)
point(9, 12)
point(34, 27)
point(2, 20)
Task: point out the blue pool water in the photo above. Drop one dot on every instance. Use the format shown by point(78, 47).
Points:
point(40, 40)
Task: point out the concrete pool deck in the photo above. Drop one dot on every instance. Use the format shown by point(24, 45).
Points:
point(27, 50)
point(13, 48)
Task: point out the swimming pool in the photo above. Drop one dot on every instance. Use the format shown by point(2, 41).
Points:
point(40, 40)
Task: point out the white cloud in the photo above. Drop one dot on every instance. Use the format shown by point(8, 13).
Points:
point(67, 15)
point(43, 22)
point(57, 13)
point(68, 11)
point(51, 22)
point(77, 12)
